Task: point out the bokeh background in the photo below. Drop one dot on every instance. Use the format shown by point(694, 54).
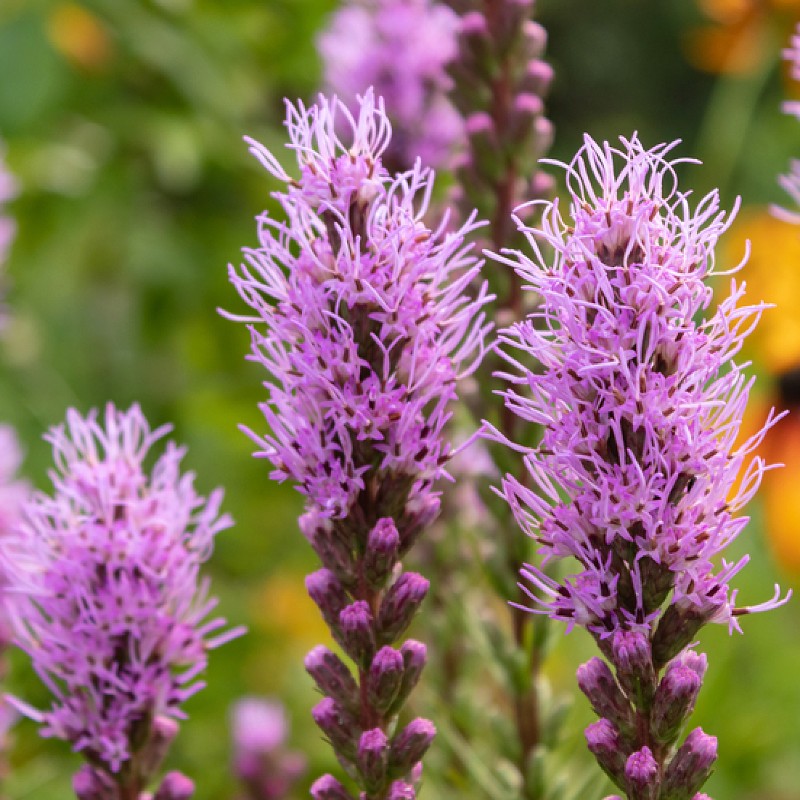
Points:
point(123, 121)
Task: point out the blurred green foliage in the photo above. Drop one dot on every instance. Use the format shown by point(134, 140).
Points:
point(123, 121)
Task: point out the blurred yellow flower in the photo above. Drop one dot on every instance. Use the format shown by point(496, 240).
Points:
point(79, 36)
point(281, 606)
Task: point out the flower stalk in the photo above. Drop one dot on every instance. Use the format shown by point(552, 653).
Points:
point(638, 476)
point(363, 322)
point(104, 596)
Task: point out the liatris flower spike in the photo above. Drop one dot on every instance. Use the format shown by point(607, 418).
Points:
point(401, 49)
point(364, 324)
point(105, 597)
point(634, 477)
point(500, 82)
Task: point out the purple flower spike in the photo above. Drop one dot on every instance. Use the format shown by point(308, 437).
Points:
point(639, 475)
point(104, 588)
point(365, 320)
point(401, 49)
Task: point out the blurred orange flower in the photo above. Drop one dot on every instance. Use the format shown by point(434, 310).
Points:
point(740, 33)
point(79, 36)
point(773, 276)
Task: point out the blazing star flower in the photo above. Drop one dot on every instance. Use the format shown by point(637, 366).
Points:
point(401, 49)
point(105, 595)
point(364, 322)
point(640, 406)
point(367, 334)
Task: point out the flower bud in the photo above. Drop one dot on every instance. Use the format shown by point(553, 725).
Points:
point(327, 592)
point(175, 786)
point(329, 544)
point(474, 42)
point(419, 513)
point(338, 725)
point(410, 745)
point(641, 772)
point(162, 733)
point(543, 133)
point(527, 107)
point(373, 753)
point(506, 22)
point(328, 788)
point(93, 784)
point(332, 677)
point(691, 765)
point(605, 743)
point(678, 626)
point(383, 545)
point(535, 37)
point(538, 77)
point(400, 790)
point(358, 633)
point(632, 659)
point(415, 656)
point(385, 678)
point(674, 701)
point(401, 602)
point(598, 684)
point(482, 135)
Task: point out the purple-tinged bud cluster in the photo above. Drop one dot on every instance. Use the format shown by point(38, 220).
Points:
point(265, 767)
point(500, 82)
point(791, 181)
point(105, 597)
point(638, 475)
point(401, 49)
point(365, 319)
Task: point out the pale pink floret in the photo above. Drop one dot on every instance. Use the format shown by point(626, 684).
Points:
point(105, 594)
point(641, 404)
